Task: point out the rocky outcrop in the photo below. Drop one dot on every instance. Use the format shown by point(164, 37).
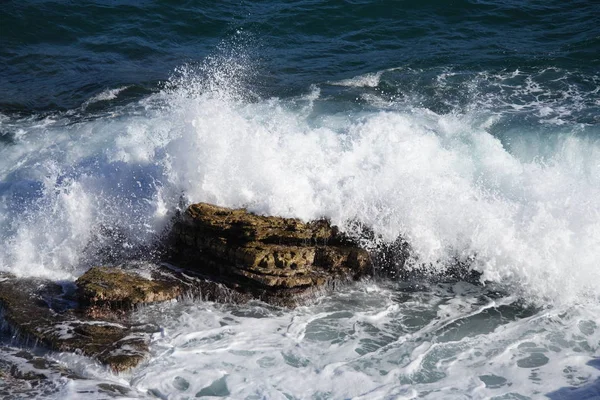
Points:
point(222, 254)
point(275, 259)
point(92, 317)
point(110, 292)
point(43, 311)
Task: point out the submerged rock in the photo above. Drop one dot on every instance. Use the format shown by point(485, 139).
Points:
point(26, 374)
point(31, 374)
point(275, 259)
point(43, 311)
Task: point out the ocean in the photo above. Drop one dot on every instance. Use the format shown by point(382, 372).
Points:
point(470, 130)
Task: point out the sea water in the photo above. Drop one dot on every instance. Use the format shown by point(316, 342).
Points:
point(469, 130)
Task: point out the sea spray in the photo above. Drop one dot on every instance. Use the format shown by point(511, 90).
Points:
point(445, 183)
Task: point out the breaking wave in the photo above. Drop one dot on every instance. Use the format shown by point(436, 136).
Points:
point(518, 200)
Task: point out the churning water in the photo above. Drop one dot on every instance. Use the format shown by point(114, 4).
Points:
point(469, 130)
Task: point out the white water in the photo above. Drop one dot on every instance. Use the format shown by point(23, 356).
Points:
point(523, 203)
point(105, 95)
point(531, 216)
point(372, 341)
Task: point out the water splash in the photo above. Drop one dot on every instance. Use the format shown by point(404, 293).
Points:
point(519, 207)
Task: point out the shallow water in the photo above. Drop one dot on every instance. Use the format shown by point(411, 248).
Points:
point(373, 340)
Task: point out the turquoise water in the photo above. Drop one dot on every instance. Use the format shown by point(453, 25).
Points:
point(470, 129)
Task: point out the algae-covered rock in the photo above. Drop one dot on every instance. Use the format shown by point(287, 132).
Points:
point(271, 257)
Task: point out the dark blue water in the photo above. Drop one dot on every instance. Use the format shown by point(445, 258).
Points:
point(55, 55)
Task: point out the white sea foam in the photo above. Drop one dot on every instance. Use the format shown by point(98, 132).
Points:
point(365, 343)
point(366, 80)
point(443, 182)
point(369, 341)
point(369, 80)
point(105, 95)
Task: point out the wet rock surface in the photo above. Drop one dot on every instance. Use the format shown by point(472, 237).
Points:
point(92, 317)
point(31, 374)
point(107, 290)
point(111, 292)
point(43, 312)
point(26, 375)
point(275, 259)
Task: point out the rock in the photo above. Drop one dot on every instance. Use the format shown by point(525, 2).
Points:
point(40, 310)
point(275, 259)
point(110, 292)
point(238, 225)
point(118, 289)
point(93, 318)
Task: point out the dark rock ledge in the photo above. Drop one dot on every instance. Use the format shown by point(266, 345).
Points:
point(221, 254)
point(39, 313)
point(277, 260)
